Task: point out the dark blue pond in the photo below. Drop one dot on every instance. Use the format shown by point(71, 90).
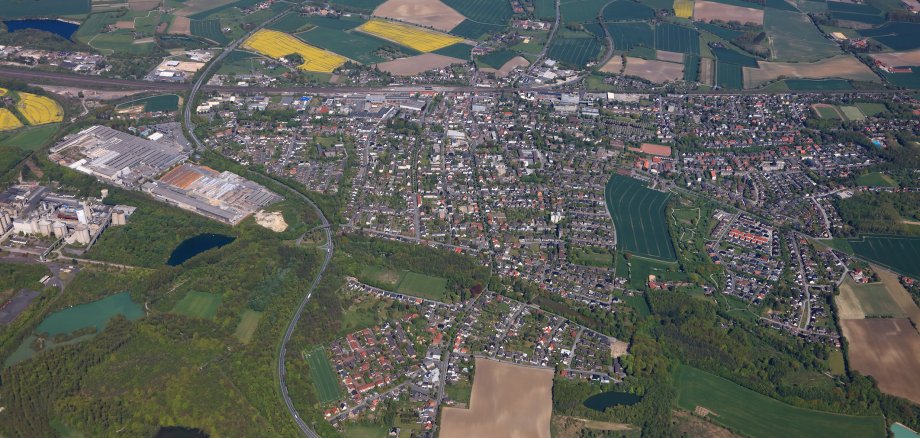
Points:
point(604, 400)
point(57, 27)
point(196, 245)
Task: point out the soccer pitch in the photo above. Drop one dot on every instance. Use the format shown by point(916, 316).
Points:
point(639, 217)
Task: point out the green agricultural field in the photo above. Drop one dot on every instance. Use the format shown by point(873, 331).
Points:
point(209, 29)
point(794, 38)
point(198, 305)
point(459, 51)
point(475, 30)
point(639, 217)
point(817, 84)
point(324, 379)
point(423, 286)
point(497, 59)
point(37, 8)
point(754, 414)
point(163, 102)
point(674, 38)
point(121, 41)
point(249, 322)
point(896, 35)
point(29, 138)
point(691, 68)
point(290, 23)
point(835, 363)
point(874, 300)
point(627, 10)
point(483, 11)
point(729, 76)
point(351, 44)
point(628, 35)
point(544, 9)
point(876, 179)
point(893, 252)
point(580, 11)
point(574, 51)
point(872, 109)
point(719, 31)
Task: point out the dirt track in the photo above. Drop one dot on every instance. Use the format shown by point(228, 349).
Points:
point(507, 401)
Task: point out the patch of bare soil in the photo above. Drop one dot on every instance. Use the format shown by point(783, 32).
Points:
point(614, 65)
point(416, 64)
point(272, 220)
point(691, 426)
point(663, 55)
point(180, 25)
point(887, 349)
point(513, 63)
point(618, 348)
point(653, 70)
point(841, 66)
point(427, 13)
point(508, 401)
point(710, 11)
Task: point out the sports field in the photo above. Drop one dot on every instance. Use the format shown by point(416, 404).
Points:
point(413, 37)
point(876, 179)
point(278, 44)
point(423, 286)
point(198, 305)
point(893, 252)
point(249, 322)
point(324, 379)
point(754, 414)
point(8, 120)
point(39, 110)
point(639, 217)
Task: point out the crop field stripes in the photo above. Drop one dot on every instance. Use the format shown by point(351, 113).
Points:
point(638, 214)
point(324, 378)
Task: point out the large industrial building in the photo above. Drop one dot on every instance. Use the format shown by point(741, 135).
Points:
point(116, 157)
point(32, 210)
point(223, 196)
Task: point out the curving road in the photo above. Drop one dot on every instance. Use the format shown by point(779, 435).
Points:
point(328, 247)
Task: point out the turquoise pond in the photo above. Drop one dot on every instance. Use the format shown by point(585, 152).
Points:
point(900, 431)
point(95, 314)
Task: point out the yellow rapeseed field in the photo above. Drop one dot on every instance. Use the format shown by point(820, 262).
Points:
point(3, 91)
point(279, 44)
point(413, 37)
point(39, 110)
point(8, 120)
point(683, 8)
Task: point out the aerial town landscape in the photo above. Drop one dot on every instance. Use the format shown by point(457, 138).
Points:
point(446, 218)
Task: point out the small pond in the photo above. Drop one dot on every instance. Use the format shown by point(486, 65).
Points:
point(604, 400)
point(196, 245)
point(179, 432)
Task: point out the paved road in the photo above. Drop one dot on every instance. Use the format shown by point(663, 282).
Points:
point(328, 247)
point(549, 39)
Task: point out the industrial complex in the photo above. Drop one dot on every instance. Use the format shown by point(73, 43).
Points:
point(132, 162)
point(116, 157)
point(32, 212)
point(222, 196)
